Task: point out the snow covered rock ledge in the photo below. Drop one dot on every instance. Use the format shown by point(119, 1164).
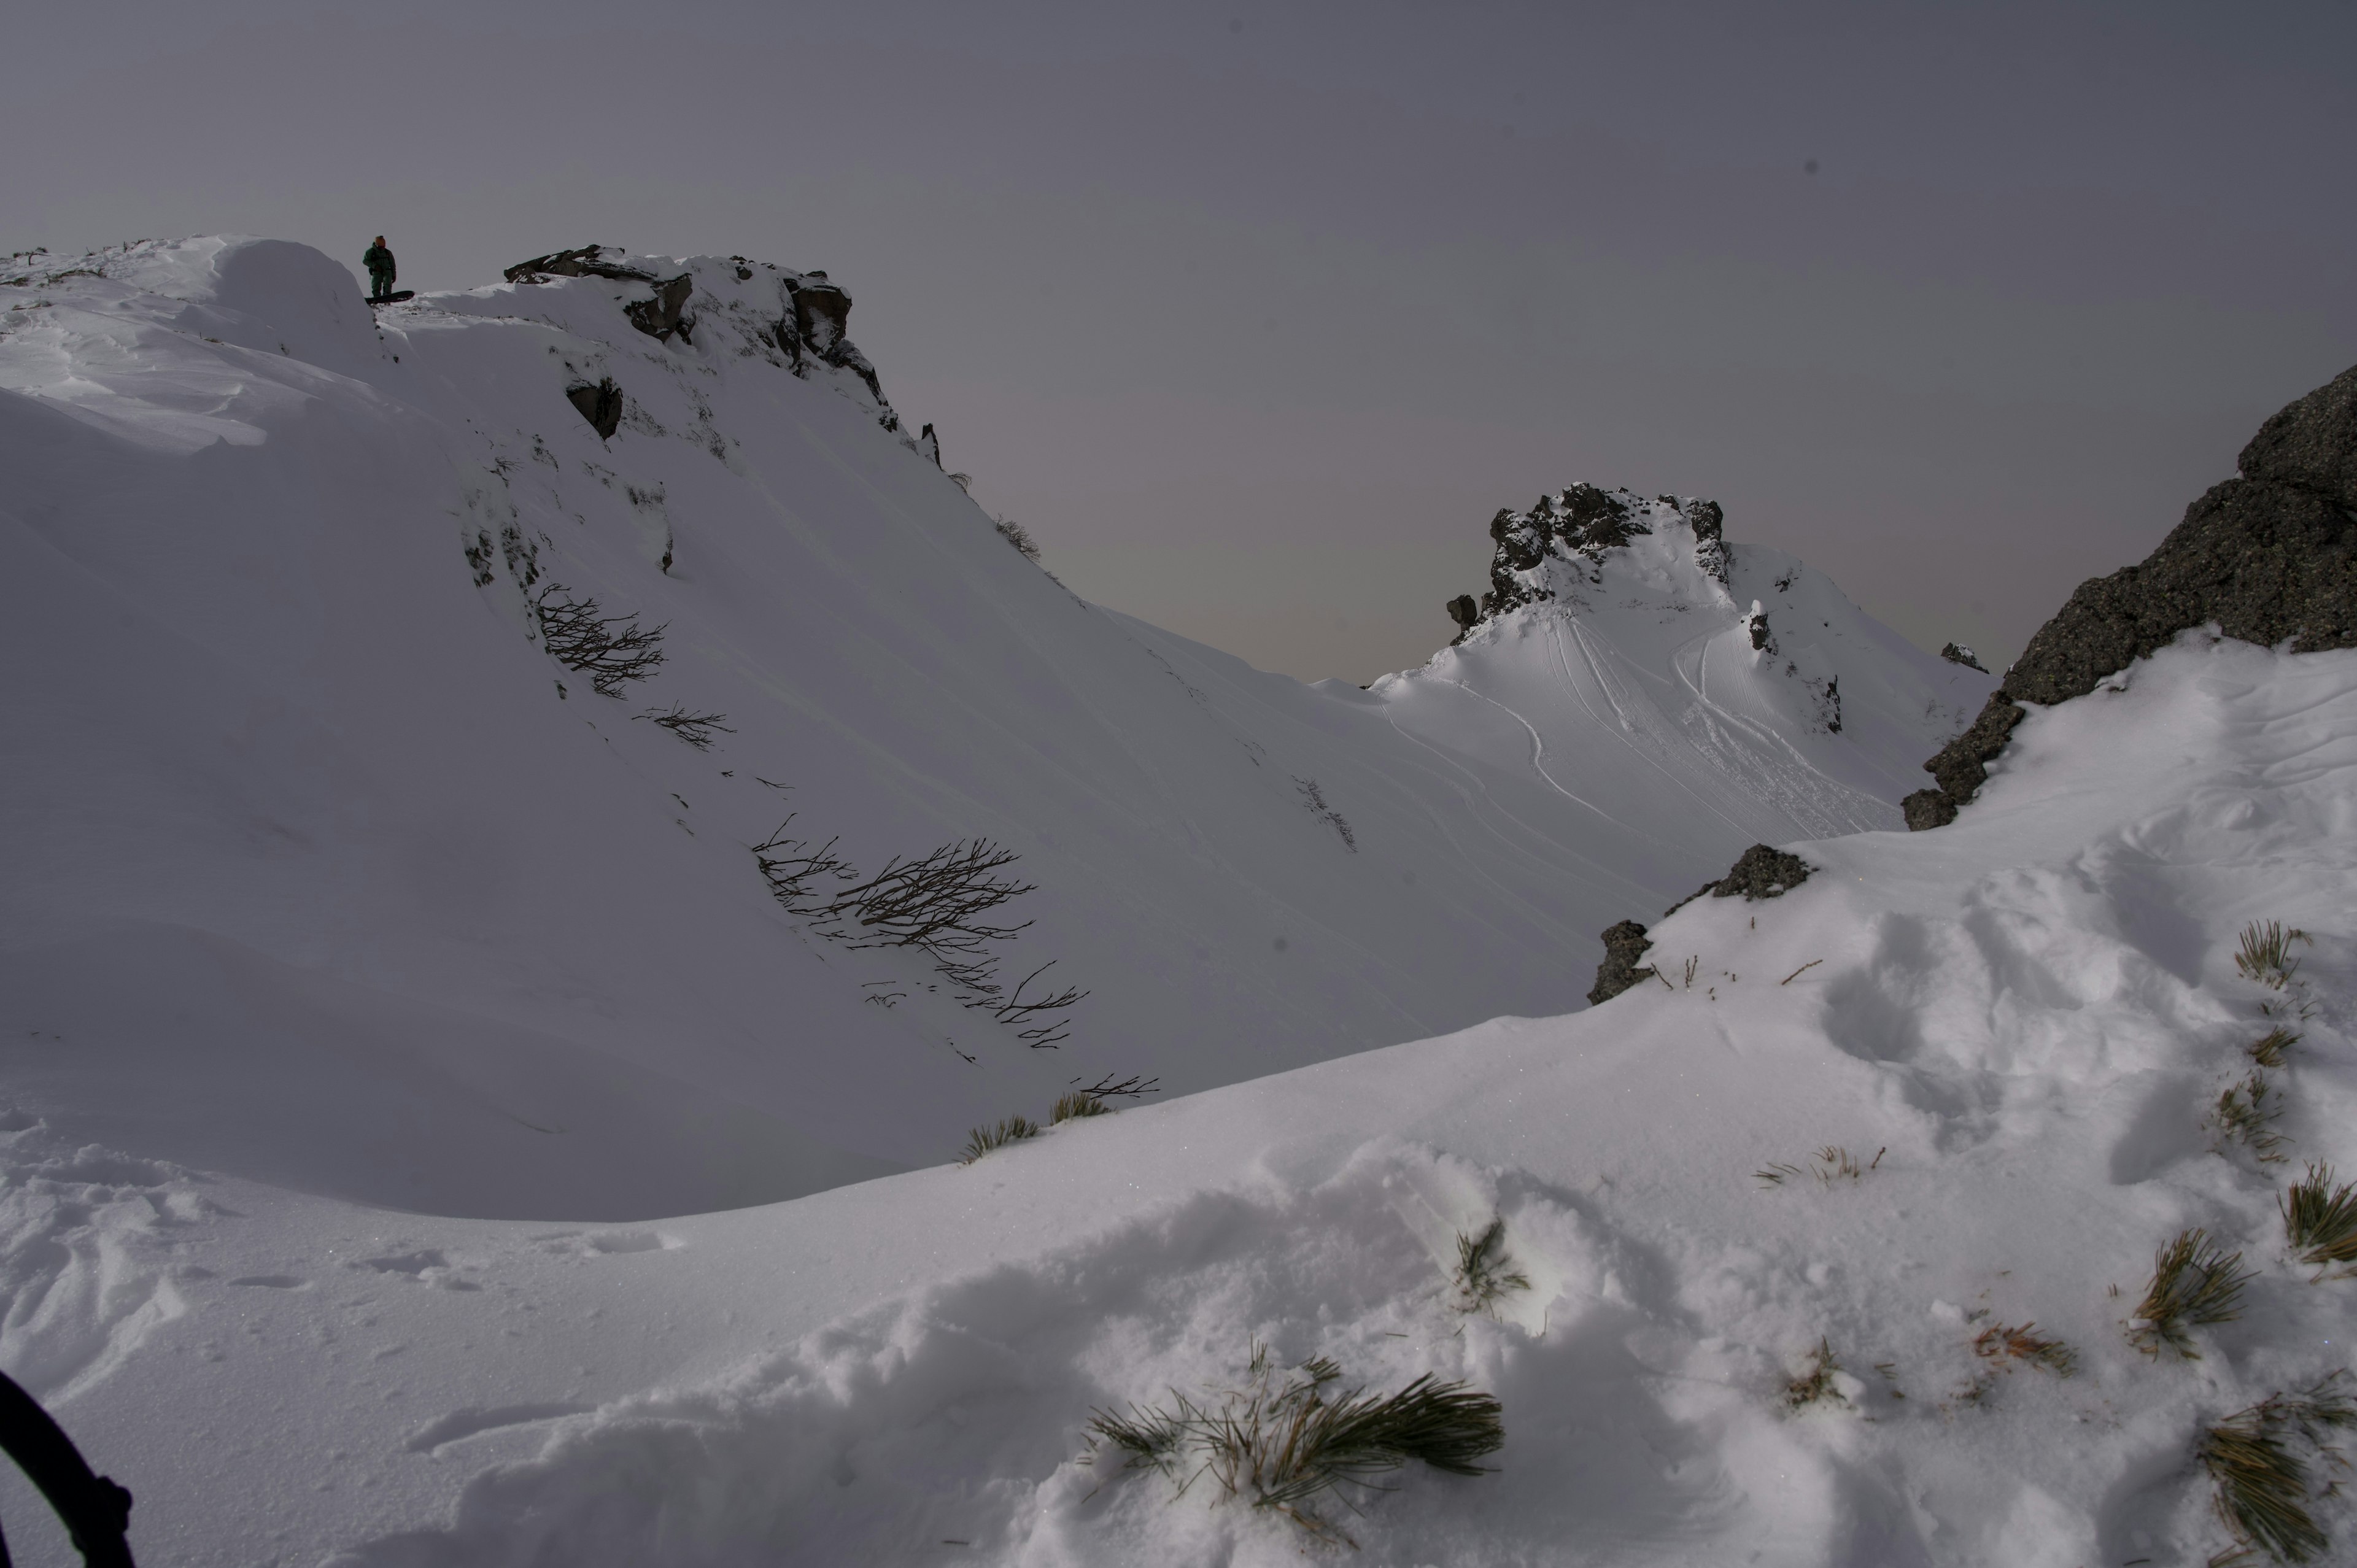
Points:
point(2269, 556)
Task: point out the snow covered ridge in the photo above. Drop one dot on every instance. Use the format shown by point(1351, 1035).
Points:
point(2269, 556)
point(1837, 1239)
point(423, 710)
point(1629, 654)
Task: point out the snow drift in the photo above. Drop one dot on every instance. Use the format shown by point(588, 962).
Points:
point(324, 872)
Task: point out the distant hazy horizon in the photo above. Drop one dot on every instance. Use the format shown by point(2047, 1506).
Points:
point(1253, 314)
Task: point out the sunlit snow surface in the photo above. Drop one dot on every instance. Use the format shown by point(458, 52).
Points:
point(317, 894)
point(2026, 1014)
point(328, 876)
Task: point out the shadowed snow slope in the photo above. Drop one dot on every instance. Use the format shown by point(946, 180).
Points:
point(2015, 1027)
point(322, 872)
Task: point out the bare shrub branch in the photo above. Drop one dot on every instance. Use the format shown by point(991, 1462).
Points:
point(696, 729)
point(611, 649)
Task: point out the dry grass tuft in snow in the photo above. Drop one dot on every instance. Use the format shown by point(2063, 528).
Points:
point(2320, 1221)
point(2247, 1113)
point(2272, 1049)
point(2262, 1479)
point(2265, 953)
point(1999, 1343)
point(1817, 1385)
point(1079, 1102)
point(1485, 1270)
point(1284, 1440)
point(2193, 1282)
point(1829, 1165)
point(983, 1140)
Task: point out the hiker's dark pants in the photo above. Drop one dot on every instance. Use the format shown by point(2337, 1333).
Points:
point(379, 284)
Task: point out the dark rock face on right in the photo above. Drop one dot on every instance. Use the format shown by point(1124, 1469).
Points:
point(2270, 556)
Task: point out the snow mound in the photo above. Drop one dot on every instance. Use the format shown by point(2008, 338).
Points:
point(1954, 1089)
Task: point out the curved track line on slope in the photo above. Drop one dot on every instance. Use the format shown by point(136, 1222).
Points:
point(1563, 660)
point(1448, 835)
point(1769, 741)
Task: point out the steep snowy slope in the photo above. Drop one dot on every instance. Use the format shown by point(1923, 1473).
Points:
point(1831, 1250)
point(1651, 670)
point(323, 872)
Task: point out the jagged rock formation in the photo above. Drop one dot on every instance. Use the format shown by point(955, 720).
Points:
point(1578, 525)
point(1624, 944)
point(2270, 556)
point(661, 316)
point(1958, 653)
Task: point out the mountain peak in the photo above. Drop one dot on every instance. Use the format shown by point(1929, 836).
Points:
point(1569, 541)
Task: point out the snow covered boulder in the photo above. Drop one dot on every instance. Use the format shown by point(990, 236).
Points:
point(2269, 556)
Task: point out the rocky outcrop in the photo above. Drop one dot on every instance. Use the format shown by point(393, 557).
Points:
point(1581, 523)
point(821, 315)
point(581, 263)
point(1466, 611)
point(1958, 653)
point(2270, 556)
point(1760, 872)
point(1624, 944)
point(660, 317)
point(601, 405)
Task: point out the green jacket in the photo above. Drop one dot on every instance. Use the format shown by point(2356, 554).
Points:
point(378, 260)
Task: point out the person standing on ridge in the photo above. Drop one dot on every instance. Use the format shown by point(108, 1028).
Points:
point(378, 262)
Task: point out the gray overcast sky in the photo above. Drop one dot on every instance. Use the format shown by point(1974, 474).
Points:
point(1256, 312)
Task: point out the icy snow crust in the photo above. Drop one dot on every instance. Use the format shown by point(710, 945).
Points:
point(2024, 1014)
point(323, 874)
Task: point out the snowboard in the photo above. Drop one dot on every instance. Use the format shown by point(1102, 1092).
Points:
point(392, 298)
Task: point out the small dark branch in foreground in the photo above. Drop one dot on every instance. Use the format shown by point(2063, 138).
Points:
point(1015, 533)
point(611, 649)
point(696, 729)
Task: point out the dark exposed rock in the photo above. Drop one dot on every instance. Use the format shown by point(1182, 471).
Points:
point(601, 405)
point(1758, 626)
point(660, 317)
point(1624, 944)
point(929, 445)
point(822, 314)
point(1582, 521)
point(1466, 611)
point(2270, 556)
point(1958, 653)
point(1759, 872)
point(583, 262)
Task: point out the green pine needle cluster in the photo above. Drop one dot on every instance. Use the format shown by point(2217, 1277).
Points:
point(2194, 1283)
point(1485, 1270)
point(2320, 1221)
point(2265, 953)
point(2247, 1113)
point(2262, 1475)
point(1284, 1439)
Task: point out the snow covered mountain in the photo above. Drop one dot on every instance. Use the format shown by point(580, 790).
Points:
point(299, 794)
point(1673, 685)
point(1843, 1238)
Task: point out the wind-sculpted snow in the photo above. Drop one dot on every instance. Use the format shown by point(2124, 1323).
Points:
point(1950, 1086)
